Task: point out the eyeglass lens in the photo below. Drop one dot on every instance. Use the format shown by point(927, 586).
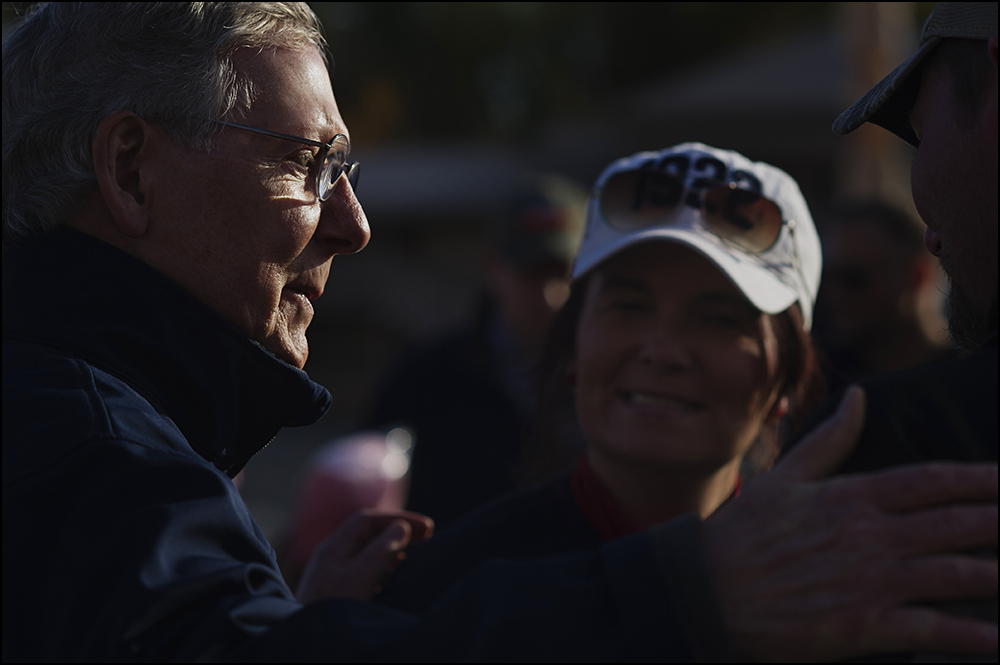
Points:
point(633, 200)
point(334, 163)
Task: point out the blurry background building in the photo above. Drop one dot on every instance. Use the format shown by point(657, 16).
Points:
point(449, 103)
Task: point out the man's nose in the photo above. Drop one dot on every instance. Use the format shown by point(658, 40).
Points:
point(343, 227)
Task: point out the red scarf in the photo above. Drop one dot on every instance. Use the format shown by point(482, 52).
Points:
point(600, 509)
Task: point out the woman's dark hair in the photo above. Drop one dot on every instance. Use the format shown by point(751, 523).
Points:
point(556, 441)
point(797, 378)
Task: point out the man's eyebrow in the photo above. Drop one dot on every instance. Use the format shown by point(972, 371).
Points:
point(332, 124)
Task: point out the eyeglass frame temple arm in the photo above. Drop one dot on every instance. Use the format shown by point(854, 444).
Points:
point(268, 132)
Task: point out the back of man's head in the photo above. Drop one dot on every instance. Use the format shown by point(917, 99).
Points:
point(66, 66)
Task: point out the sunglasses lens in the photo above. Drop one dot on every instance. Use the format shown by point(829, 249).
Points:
point(744, 218)
point(637, 199)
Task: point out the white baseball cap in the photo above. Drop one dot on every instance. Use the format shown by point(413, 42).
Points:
point(697, 196)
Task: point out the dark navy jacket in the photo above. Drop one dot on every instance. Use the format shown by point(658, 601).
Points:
point(127, 407)
point(544, 520)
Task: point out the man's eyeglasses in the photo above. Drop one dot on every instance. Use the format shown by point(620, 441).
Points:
point(632, 200)
point(332, 158)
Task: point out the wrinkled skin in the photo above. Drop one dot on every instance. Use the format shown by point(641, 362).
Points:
point(811, 570)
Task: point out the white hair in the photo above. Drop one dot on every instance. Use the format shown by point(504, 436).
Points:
point(67, 66)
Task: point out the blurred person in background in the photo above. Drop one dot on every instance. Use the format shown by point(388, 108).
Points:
point(468, 397)
point(879, 309)
point(176, 182)
point(683, 347)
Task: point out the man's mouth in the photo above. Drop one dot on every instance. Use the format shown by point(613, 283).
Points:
point(302, 295)
point(307, 291)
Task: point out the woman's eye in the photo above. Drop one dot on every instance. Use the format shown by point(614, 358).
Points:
point(626, 305)
point(728, 321)
point(723, 320)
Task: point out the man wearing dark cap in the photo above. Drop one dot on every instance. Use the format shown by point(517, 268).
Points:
point(943, 101)
point(468, 396)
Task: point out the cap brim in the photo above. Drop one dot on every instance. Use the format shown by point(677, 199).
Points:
point(762, 288)
point(881, 105)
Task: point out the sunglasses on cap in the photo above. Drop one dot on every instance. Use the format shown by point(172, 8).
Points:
point(632, 200)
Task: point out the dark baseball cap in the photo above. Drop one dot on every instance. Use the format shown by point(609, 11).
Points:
point(884, 105)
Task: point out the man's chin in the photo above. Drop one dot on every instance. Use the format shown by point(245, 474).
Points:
point(967, 325)
point(295, 353)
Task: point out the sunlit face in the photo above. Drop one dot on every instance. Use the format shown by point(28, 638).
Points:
point(672, 362)
point(241, 226)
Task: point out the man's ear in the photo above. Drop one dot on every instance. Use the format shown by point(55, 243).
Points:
point(120, 144)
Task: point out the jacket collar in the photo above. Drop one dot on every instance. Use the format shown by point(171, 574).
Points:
point(228, 395)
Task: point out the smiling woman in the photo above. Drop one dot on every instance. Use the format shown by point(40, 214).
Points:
point(682, 354)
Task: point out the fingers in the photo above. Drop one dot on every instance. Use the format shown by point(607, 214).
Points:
point(948, 529)
point(382, 555)
point(825, 449)
point(358, 530)
point(351, 562)
point(351, 536)
point(925, 629)
point(361, 577)
point(421, 526)
point(943, 578)
point(912, 488)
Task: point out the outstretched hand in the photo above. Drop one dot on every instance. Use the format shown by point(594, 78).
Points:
point(813, 569)
point(360, 554)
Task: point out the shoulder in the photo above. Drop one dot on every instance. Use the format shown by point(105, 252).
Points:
point(945, 411)
point(536, 522)
point(55, 403)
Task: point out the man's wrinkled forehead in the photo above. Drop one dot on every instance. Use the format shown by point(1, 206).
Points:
point(293, 85)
